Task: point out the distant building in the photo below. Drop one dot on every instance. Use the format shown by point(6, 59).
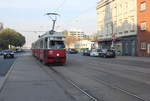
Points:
point(77, 33)
point(143, 37)
point(117, 25)
point(1, 26)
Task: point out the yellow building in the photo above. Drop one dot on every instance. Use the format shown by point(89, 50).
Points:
point(77, 33)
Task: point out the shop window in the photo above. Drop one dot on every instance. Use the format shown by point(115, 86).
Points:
point(143, 45)
point(143, 6)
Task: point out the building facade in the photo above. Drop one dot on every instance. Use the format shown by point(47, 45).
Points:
point(82, 44)
point(143, 27)
point(77, 33)
point(117, 25)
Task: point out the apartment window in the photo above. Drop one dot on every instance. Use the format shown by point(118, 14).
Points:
point(132, 24)
point(143, 26)
point(143, 6)
point(126, 7)
point(143, 45)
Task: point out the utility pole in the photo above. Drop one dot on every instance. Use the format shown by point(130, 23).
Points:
point(53, 17)
point(113, 35)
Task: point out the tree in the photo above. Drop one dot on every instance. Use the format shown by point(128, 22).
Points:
point(11, 37)
point(69, 39)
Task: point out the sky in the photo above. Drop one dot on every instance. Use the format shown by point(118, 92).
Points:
point(28, 16)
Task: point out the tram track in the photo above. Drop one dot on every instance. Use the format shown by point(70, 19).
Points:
point(125, 91)
point(122, 90)
point(118, 88)
point(86, 92)
point(47, 69)
point(75, 84)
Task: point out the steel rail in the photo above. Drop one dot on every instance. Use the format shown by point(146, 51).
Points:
point(91, 97)
point(73, 83)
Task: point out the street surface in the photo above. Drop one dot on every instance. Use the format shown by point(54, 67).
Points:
point(83, 78)
point(29, 80)
point(110, 79)
point(5, 65)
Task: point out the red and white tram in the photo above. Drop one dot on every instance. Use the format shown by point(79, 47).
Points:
point(50, 48)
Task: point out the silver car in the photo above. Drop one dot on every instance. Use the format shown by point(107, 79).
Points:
point(95, 52)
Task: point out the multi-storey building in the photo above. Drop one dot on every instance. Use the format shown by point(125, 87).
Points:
point(143, 27)
point(77, 33)
point(117, 18)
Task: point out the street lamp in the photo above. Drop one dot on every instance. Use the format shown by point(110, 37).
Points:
point(53, 17)
point(112, 31)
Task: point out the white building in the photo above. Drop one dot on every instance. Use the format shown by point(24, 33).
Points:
point(82, 44)
point(119, 18)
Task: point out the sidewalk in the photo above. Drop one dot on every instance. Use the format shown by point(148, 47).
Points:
point(28, 82)
point(136, 58)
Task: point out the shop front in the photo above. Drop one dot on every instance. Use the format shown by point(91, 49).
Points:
point(125, 46)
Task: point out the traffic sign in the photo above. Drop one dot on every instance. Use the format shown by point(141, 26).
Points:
point(113, 36)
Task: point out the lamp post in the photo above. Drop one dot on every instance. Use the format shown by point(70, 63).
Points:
point(113, 35)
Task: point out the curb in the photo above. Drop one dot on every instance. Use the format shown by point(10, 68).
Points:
point(3, 80)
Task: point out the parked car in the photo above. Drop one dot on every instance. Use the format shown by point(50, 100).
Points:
point(1, 53)
point(107, 53)
point(86, 52)
point(8, 54)
point(72, 51)
point(95, 52)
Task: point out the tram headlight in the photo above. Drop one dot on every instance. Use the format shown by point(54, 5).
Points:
point(58, 54)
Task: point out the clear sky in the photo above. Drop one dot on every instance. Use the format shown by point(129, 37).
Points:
point(28, 15)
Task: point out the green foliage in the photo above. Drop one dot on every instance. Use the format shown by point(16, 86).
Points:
point(11, 37)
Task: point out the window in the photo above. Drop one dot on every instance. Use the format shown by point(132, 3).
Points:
point(126, 7)
point(41, 44)
point(143, 45)
point(143, 26)
point(56, 45)
point(132, 24)
point(143, 6)
point(148, 48)
point(45, 44)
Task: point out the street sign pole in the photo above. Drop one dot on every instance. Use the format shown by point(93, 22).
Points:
point(113, 35)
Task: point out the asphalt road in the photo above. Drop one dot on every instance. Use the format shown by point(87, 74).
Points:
point(111, 79)
point(5, 65)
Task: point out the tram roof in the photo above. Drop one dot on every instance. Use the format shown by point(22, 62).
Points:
point(54, 34)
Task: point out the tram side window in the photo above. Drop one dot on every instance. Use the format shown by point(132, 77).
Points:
point(45, 44)
point(41, 44)
point(56, 45)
